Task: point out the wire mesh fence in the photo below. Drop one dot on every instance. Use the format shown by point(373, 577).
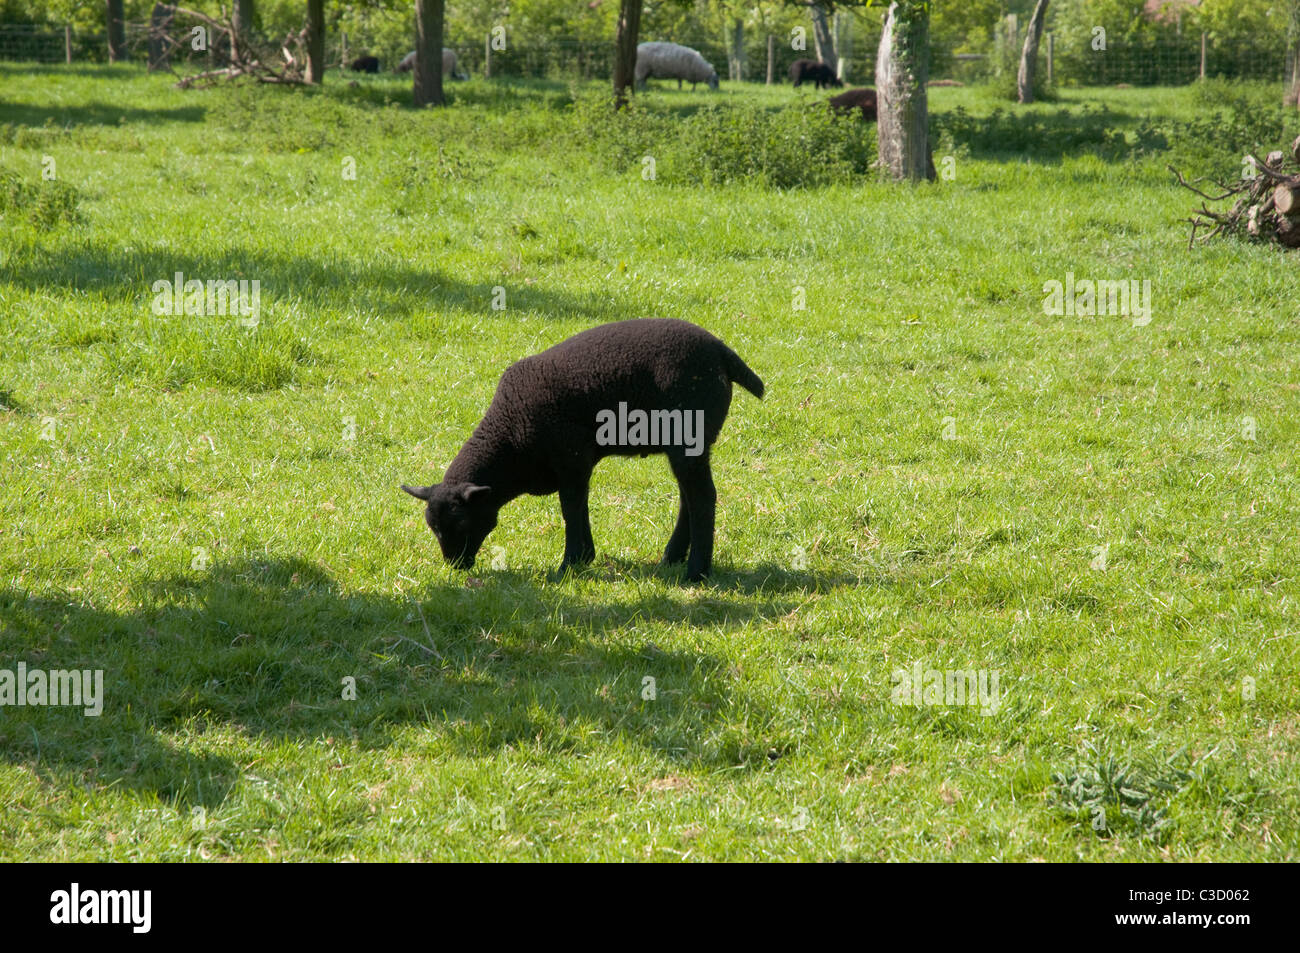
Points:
point(1068, 63)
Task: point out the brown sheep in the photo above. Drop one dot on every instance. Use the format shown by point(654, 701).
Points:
point(860, 99)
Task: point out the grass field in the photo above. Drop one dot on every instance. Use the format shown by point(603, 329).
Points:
point(1100, 511)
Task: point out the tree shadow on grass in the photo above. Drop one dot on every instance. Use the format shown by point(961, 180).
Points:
point(264, 648)
point(1007, 135)
point(666, 99)
point(94, 114)
point(100, 70)
point(127, 274)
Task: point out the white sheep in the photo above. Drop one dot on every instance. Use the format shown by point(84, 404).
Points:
point(670, 61)
point(448, 64)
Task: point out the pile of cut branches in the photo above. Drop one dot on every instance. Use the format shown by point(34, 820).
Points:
point(247, 55)
point(1266, 204)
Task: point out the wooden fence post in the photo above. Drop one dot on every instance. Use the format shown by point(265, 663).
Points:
point(1202, 54)
point(771, 58)
point(67, 42)
point(1051, 56)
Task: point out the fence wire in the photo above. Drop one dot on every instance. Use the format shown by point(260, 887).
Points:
point(1165, 64)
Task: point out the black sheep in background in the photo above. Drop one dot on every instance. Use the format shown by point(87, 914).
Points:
point(365, 64)
point(552, 420)
point(815, 71)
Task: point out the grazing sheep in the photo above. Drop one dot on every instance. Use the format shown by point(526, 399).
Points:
point(815, 71)
point(365, 64)
point(670, 61)
point(860, 99)
point(557, 413)
point(449, 64)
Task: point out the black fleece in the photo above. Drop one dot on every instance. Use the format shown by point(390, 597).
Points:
point(539, 435)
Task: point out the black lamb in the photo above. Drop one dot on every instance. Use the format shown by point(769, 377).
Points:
point(630, 388)
point(814, 71)
point(365, 64)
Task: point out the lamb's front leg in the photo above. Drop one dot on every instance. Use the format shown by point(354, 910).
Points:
point(579, 547)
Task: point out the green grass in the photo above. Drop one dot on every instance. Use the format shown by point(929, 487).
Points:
point(201, 528)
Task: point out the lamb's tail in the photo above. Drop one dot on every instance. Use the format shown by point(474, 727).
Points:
point(739, 372)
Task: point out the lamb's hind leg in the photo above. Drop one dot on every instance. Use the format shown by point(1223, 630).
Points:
point(680, 541)
point(695, 477)
point(579, 547)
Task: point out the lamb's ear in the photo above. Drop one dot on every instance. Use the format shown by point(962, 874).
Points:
point(470, 493)
point(419, 492)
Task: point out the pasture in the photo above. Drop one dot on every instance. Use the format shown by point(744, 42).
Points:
point(1096, 509)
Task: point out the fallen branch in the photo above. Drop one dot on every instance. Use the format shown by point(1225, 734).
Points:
point(249, 56)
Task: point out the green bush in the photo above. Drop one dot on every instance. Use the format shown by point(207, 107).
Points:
point(621, 138)
point(1217, 144)
point(799, 146)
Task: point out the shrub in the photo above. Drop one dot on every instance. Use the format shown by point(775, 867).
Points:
point(44, 204)
point(799, 146)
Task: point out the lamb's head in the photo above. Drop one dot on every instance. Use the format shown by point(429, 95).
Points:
point(713, 79)
point(461, 515)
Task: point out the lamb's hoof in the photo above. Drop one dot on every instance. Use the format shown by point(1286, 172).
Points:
point(571, 567)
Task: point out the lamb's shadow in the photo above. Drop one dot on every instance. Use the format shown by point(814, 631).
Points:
point(773, 578)
point(764, 579)
point(271, 650)
point(127, 274)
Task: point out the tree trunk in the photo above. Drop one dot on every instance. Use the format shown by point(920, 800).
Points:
point(625, 43)
point(160, 22)
point(902, 69)
point(737, 58)
point(822, 36)
point(315, 41)
point(429, 18)
point(1029, 55)
point(241, 20)
point(771, 58)
point(1292, 94)
point(116, 31)
point(843, 45)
